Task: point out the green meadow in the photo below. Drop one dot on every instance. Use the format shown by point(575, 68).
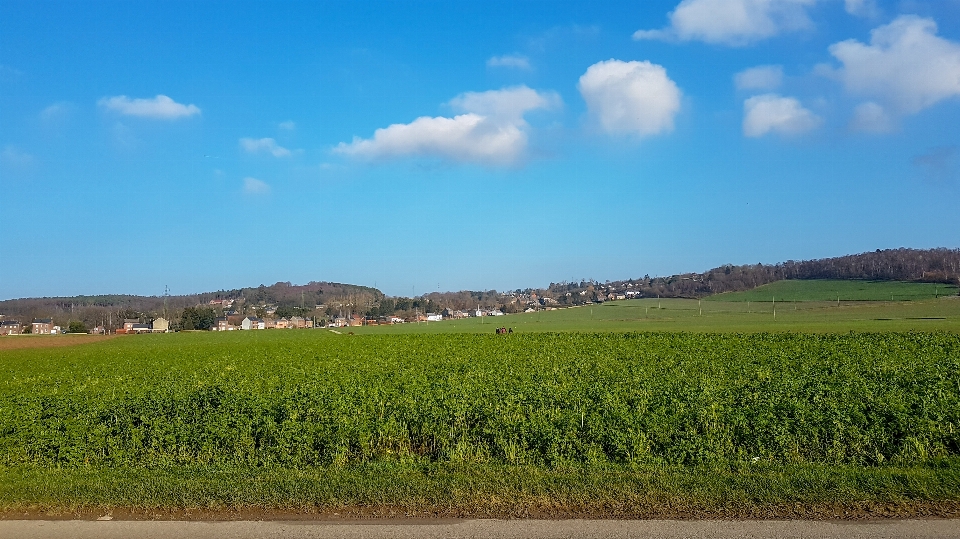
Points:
point(915, 307)
point(629, 408)
point(834, 290)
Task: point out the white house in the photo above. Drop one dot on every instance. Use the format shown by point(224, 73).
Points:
point(253, 323)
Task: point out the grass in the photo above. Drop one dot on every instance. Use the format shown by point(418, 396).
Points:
point(838, 290)
point(690, 315)
point(757, 490)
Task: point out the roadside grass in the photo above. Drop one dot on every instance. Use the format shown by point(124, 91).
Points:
point(758, 490)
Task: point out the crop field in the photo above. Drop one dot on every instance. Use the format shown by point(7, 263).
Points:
point(587, 423)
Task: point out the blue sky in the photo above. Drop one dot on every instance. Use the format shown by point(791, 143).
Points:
point(470, 145)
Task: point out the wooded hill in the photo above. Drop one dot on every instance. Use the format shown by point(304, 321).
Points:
point(922, 265)
point(927, 265)
point(111, 310)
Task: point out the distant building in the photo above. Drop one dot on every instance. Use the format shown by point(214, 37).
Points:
point(431, 317)
point(253, 323)
point(222, 324)
point(42, 326)
point(160, 325)
point(10, 327)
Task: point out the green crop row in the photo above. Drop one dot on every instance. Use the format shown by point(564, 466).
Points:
point(301, 399)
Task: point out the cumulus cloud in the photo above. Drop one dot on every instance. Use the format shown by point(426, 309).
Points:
point(732, 22)
point(906, 66)
point(630, 97)
point(491, 130)
point(264, 145)
point(862, 8)
point(771, 113)
point(160, 107)
point(759, 78)
point(515, 61)
point(870, 117)
point(253, 186)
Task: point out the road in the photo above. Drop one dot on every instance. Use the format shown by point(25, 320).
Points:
point(456, 529)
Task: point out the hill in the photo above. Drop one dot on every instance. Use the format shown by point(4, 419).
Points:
point(110, 310)
point(832, 289)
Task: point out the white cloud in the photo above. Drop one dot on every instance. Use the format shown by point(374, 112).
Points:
point(264, 145)
point(55, 111)
point(759, 78)
point(732, 22)
point(288, 125)
point(870, 117)
point(906, 66)
point(770, 113)
point(253, 186)
point(492, 130)
point(12, 156)
point(509, 60)
point(160, 107)
point(862, 8)
point(630, 97)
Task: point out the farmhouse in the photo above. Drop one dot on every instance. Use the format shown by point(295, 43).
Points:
point(160, 325)
point(253, 323)
point(42, 326)
point(9, 327)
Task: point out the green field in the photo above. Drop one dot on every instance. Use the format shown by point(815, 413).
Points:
point(710, 316)
point(605, 424)
point(835, 290)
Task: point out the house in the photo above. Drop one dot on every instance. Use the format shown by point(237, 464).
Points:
point(139, 328)
point(269, 323)
point(432, 317)
point(283, 323)
point(253, 323)
point(42, 326)
point(222, 324)
point(128, 324)
point(297, 322)
point(9, 327)
point(160, 325)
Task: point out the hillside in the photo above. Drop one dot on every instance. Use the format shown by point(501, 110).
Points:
point(111, 310)
point(832, 289)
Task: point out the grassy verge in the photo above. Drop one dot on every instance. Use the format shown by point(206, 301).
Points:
point(495, 490)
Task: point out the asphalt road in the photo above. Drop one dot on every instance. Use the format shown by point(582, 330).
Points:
point(501, 529)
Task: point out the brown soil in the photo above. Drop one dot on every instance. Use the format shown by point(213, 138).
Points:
point(825, 512)
point(17, 342)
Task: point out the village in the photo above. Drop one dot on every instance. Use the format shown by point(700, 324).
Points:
point(236, 315)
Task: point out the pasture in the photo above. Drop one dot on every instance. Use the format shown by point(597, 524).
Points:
point(691, 315)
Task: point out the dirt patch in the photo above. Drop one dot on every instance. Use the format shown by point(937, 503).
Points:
point(18, 342)
point(864, 511)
